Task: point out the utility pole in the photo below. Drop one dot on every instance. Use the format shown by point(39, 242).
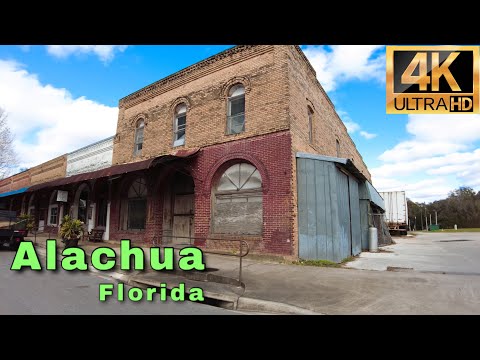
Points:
point(436, 222)
point(421, 218)
point(430, 219)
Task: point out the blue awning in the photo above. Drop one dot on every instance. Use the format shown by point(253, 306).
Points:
point(14, 192)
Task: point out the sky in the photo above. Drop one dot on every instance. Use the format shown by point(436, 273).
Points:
point(62, 97)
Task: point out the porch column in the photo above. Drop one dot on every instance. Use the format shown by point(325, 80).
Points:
point(60, 216)
point(106, 235)
point(91, 221)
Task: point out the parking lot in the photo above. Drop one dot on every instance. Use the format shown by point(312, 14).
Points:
point(450, 253)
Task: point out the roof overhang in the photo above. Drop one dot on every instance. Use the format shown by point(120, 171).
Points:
point(116, 170)
point(366, 189)
point(346, 163)
point(14, 192)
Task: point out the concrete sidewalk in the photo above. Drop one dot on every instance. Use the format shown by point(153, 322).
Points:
point(272, 287)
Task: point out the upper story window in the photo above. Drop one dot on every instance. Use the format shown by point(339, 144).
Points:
point(236, 109)
point(310, 125)
point(137, 151)
point(179, 124)
point(338, 148)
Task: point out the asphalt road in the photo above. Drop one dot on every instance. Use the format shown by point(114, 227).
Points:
point(62, 292)
point(448, 253)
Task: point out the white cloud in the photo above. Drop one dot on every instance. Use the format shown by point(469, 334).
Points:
point(340, 63)
point(105, 53)
point(352, 126)
point(440, 145)
point(426, 190)
point(48, 121)
point(367, 135)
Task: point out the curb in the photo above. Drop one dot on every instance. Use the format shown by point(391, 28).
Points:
point(251, 304)
point(242, 303)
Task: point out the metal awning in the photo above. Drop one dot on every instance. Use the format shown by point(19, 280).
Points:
point(347, 163)
point(374, 196)
point(14, 192)
point(116, 170)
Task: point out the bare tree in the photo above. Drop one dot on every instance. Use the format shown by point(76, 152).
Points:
point(8, 158)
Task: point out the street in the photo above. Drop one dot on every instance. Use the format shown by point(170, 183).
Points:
point(61, 292)
point(449, 253)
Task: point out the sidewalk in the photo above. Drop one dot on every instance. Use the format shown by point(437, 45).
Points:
point(293, 289)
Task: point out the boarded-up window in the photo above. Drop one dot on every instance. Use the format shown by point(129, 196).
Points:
point(134, 208)
point(238, 207)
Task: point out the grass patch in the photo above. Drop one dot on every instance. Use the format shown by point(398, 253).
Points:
point(348, 259)
point(460, 230)
point(318, 263)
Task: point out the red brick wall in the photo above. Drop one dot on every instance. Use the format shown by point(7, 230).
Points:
point(269, 153)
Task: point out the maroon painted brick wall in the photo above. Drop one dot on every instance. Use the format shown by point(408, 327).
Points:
point(270, 154)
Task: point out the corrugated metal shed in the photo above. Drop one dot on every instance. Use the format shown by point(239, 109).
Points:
point(328, 208)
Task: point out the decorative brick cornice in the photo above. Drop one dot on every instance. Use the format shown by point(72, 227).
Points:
point(244, 80)
point(184, 99)
point(134, 119)
point(214, 63)
point(226, 160)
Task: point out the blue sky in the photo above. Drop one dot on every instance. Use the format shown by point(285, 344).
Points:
point(60, 98)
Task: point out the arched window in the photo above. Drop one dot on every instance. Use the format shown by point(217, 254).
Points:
point(137, 151)
point(238, 201)
point(310, 125)
point(179, 124)
point(338, 148)
point(136, 205)
point(53, 210)
point(236, 109)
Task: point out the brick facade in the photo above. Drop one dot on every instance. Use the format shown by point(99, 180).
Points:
point(50, 170)
point(203, 87)
point(268, 153)
point(280, 85)
point(15, 182)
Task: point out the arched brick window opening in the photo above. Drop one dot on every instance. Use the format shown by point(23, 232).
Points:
point(238, 201)
point(179, 124)
point(236, 109)
point(137, 151)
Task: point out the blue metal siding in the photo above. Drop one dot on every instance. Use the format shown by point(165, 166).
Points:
point(364, 211)
point(345, 240)
point(328, 211)
point(317, 217)
point(355, 216)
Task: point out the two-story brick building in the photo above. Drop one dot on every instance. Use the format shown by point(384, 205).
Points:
point(212, 152)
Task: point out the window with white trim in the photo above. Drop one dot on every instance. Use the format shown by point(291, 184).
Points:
point(238, 201)
point(137, 151)
point(179, 124)
point(236, 109)
point(53, 215)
